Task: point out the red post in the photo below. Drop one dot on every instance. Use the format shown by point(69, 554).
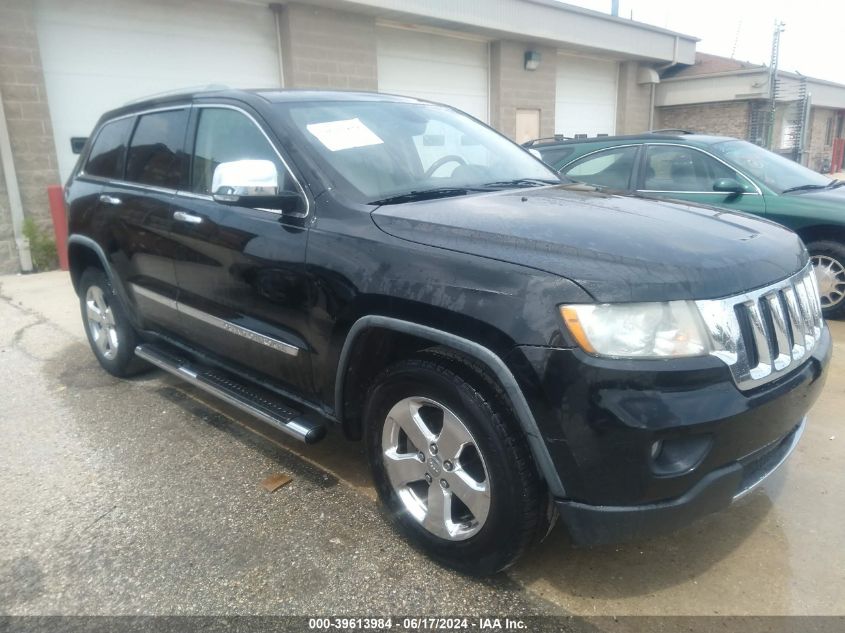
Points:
point(57, 211)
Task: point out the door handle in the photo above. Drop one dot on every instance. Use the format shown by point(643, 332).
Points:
point(181, 216)
point(112, 200)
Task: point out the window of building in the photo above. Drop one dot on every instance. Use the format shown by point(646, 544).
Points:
point(156, 155)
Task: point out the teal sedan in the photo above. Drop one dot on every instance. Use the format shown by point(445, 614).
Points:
point(722, 172)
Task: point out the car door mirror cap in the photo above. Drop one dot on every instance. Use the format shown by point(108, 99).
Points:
point(254, 184)
point(728, 185)
point(240, 178)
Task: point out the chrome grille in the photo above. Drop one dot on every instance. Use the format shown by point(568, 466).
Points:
point(764, 334)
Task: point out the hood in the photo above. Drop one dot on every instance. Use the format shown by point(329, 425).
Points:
point(835, 196)
point(617, 248)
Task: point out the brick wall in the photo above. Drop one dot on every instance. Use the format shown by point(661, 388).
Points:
point(28, 119)
point(817, 148)
point(633, 101)
point(729, 118)
point(512, 87)
point(324, 48)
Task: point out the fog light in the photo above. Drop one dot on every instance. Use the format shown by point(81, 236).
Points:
point(678, 455)
point(656, 447)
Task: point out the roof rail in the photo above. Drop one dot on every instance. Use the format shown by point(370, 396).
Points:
point(670, 130)
point(179, 91)
point(546, 139)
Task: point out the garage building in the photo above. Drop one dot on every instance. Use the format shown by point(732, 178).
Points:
point(530, 68)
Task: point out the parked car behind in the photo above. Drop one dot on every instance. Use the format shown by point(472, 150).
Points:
point(721, 171)
point(505, 345)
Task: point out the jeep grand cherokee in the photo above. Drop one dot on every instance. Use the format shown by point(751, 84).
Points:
point(507, 345)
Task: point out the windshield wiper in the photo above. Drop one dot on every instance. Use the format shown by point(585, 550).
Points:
point(804, 188)
point(835, 183)
point(425, 194)
point(522, 182)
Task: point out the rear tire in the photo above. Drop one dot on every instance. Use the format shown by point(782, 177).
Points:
point(110, 334)
point(828, 258)
point(451, 464)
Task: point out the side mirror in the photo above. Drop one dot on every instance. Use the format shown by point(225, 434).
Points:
point(251, 183)
point(728, 185)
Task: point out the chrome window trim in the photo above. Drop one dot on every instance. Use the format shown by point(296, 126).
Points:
point(82, 172)
point(595, 151)
point(223, 324)
point(759, 192)
point(706, 153)
point(227, 106)
point(130, 184)
point(709, 193)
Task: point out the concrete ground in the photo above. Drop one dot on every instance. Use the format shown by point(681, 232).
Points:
point(143, 496)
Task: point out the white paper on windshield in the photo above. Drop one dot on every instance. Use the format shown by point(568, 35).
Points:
point(346, 134)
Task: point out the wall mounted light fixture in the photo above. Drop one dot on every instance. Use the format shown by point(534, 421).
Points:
point(532, 60)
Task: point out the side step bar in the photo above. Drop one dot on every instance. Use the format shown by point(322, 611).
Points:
point(249, 398)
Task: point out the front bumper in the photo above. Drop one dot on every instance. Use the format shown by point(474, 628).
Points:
point(600, 419)
point(596, 525)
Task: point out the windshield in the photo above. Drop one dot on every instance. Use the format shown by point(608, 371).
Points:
point(777, 172)
point(376, 150)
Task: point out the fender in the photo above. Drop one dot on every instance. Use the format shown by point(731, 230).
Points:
point(116, 283)
point(480, 353)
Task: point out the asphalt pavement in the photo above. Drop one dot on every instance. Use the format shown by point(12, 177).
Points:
point(144, 496)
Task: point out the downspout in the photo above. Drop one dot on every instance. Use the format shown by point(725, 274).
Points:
point(277, 8)
point(651, 107)
point(14, 193)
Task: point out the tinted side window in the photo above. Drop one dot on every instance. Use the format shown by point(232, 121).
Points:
point(555, 156)
point(106, 157)
point(155, 155)
point(672, 168)
point(223, 136)
point(610, 168)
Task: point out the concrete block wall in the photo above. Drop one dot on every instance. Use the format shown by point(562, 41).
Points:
point(728, 118)
point(633, 101)
point(28, 118)
point(325, 48)
point(512, 87)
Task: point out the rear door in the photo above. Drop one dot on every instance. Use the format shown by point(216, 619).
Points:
point(136, 203)
point(244, 292)
point(681, 172)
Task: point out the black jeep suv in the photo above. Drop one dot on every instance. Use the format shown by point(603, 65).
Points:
point(509, 346)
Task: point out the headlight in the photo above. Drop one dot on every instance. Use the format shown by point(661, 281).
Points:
point(637, 330)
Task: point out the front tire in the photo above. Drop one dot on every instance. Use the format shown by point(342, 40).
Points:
point(110, 334)
point(451, 465)
point(828, 259)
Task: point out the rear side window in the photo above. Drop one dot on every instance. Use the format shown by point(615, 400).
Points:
point(555, 156)
point(610, 168)
point(156, 155)
point(109, 149)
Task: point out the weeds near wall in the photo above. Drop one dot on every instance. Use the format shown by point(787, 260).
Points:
point(42, 246)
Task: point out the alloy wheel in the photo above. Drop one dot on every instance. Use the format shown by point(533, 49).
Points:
point(435, 468)
point(830, 275)
point(101, 322)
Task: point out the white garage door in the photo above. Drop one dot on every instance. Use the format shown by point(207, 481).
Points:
point(99, 54)
point(451, 70)
point(585, 99)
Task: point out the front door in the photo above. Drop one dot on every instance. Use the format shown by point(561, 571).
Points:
point(685, 173)
point(244, 293)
